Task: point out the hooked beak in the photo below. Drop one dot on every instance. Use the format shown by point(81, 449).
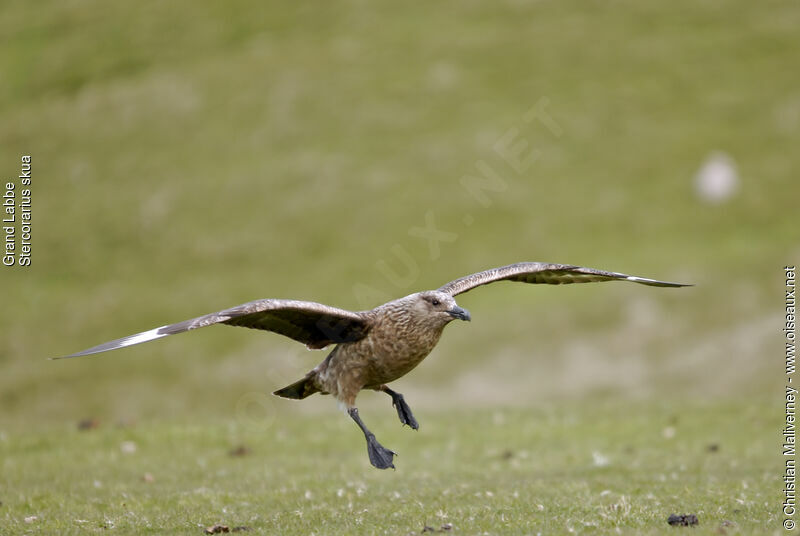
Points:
point(461, 314)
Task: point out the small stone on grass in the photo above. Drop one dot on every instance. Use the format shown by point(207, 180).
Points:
point(682, 520)
point(444, 528)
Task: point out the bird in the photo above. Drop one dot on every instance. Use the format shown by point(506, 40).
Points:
point(375, 347)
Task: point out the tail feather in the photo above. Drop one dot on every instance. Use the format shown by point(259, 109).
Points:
point(298, 390)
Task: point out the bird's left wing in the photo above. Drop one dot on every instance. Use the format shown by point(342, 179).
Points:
point(550, 274)
point(313, 324)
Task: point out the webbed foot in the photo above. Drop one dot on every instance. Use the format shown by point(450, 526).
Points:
point(379, 456)
point(404, 412)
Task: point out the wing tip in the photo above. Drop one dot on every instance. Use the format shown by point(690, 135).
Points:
point(656, 282)
point(130, 340)
point(77, 354)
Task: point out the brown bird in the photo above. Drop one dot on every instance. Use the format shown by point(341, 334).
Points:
point(373, 347)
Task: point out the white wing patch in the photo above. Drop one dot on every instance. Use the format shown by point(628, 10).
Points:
point(645, 280)
point(121, 343)
point(141, 337)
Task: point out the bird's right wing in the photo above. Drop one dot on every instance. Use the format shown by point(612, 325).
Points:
point(313, 324)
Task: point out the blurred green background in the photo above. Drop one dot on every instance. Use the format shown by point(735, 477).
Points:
point(190, 156)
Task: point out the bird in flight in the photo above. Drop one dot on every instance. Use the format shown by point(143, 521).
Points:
point(375, 347)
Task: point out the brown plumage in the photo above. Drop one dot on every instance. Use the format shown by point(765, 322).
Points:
point(375, 347)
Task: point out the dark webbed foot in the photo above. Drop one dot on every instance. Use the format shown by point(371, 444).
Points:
point(379, 456)
point(403, 411)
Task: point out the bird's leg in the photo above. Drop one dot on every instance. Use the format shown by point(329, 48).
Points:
point(379, 456)
point(403, 411)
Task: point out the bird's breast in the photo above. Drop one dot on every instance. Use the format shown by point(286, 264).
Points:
point(388, 353)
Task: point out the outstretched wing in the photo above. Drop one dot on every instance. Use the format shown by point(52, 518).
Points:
point(313, 324)
point(550, 274)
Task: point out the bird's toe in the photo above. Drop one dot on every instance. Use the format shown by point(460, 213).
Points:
point(404, 413)
point(410, 420)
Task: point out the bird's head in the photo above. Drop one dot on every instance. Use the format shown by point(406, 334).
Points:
point(440, 306)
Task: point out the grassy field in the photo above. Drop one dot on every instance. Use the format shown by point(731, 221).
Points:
point(189, 157)
point(582, 470)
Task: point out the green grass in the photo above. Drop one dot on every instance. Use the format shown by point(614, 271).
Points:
point(188, 157)
point(580, 469)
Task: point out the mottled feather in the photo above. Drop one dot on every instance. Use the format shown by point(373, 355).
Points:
point(550, 274)
point(313, 324)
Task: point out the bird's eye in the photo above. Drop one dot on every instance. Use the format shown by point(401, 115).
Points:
point(434, 302)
